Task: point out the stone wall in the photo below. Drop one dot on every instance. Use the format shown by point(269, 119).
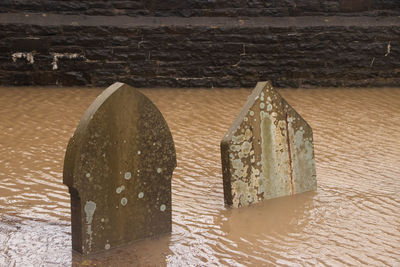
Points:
point(145, 51)
point(213, 8)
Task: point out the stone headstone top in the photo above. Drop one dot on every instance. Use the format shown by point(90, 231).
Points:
point(118, 167)
point(268, 151)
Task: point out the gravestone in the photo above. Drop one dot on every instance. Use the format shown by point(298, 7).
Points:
point(268, 151)
point(118, 168)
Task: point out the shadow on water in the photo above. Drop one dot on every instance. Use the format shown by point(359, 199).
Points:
point(151, 252)
point(275, 216)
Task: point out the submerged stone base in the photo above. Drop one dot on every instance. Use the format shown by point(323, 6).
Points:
point(268, 152)
point(304, 51)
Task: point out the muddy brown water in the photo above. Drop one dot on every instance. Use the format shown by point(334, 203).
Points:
point(351, 219)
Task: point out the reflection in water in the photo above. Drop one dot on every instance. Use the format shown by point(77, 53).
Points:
point(352, 218)
point(282, 215)
point(152, 252)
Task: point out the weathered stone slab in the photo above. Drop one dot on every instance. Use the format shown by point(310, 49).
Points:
point(268, 151)
point(118, 167)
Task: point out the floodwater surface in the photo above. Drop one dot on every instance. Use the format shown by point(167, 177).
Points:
point(351, 219)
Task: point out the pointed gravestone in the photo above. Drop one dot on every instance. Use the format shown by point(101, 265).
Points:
point(118, 167)
point(268, 152)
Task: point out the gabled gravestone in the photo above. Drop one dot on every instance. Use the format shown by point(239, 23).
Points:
point(268, 152)
point(118, 167)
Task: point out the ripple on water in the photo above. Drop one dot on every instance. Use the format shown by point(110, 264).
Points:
point(352, 219)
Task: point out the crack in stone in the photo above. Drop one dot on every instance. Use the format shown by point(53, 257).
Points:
point(290, 155)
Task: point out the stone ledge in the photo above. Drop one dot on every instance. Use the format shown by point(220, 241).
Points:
point(210, 8)
point(243, 22)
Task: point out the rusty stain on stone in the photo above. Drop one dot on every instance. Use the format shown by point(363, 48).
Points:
point(268, 151)
point(115, 138)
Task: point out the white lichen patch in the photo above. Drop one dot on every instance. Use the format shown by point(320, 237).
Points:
point(127, 175)
point(303, 162)
point(163, 207)
point(235, 148)
point(246, 147)
point(262, 105)
point(27, 55)
point(107, 246)
point(259, 187)
point(139, 152)
point(140, 195)
point(124, 201)
point(159, 170)
point(90, 208)
point(248, 134)
point(87, 175)
point(238, 138)
point(237, 164)
point(275, 158)
point(240, 191)
point(120, 189)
